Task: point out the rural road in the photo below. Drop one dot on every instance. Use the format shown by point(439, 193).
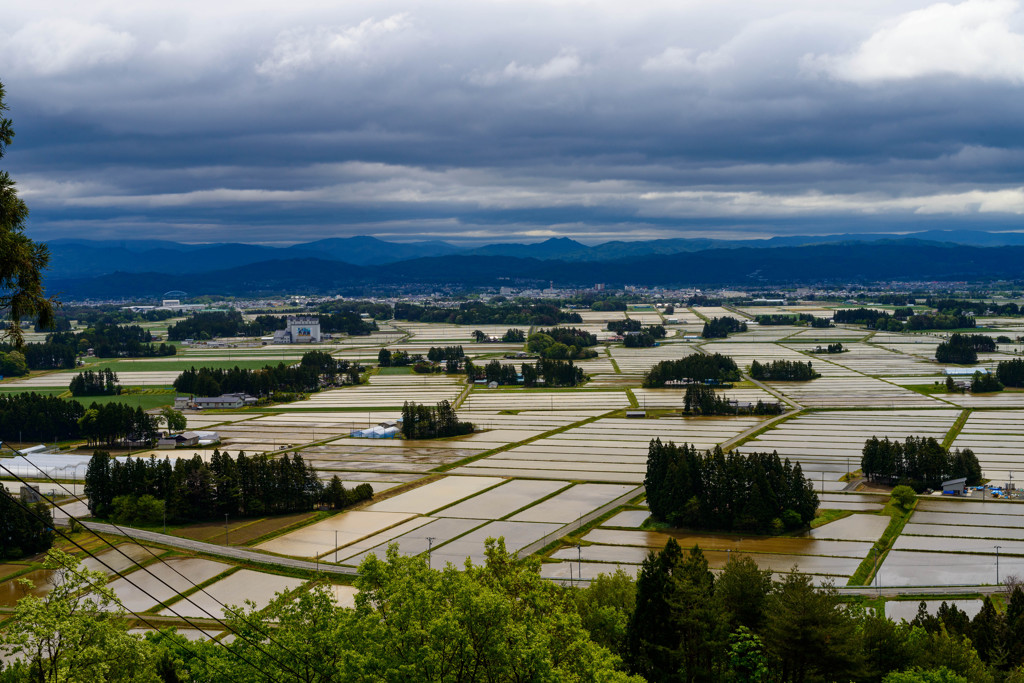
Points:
point(218, 550)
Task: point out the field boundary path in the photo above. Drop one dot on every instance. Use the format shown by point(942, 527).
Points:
point(580, 522)
point(217, 550)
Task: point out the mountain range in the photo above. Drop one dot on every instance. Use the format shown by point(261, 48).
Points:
point(73, 258)
point(295, 271)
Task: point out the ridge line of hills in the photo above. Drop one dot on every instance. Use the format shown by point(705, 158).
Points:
point(838, 263)
point(72, 258)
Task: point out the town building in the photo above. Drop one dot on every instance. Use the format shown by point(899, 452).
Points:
point(300, 329)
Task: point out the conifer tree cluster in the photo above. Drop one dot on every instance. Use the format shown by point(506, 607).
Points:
point(719, 328)
point(95, 383)
point(513, 335)
point(110, 340)
point(438, 354)
point(1011, 372)
point(432, 422)
point(194, 490)
point(116, 423)
point(38, 417)
point(23, 533)
point(920, 462)
point(783, 371)
point(997, 635)
point(554, 373)
point(714, 490)
point(315, 369)
point(963, 349)
point(984, 382)
point(701, 399)
point(698, 367)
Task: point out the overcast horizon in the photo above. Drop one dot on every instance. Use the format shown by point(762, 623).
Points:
point(477, 122)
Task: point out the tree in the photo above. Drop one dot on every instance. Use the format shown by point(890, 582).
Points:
point(810, 632)
point(176, 420)
point(384, 358)
point(76, 631)
point(903, 496)
point(605, 607)
point(498, 622)
point(22, 261)
point(98, 485)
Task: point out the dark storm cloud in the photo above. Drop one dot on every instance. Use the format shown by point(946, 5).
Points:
point(476, 121)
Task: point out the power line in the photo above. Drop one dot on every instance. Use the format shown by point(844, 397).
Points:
point(119, 574)
point(264, 632)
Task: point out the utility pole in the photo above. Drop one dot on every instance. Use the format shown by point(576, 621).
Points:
point(997, 563)
point(225, 528)
point(335, 546)
point(430, 548)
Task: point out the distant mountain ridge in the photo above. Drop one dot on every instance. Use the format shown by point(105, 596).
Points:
point(834, 263)
point(74, 258)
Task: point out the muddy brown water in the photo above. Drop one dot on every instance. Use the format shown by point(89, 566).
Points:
point(782, 545)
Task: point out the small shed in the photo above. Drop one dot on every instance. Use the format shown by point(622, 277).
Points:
point(955, 487)
point(636, 413)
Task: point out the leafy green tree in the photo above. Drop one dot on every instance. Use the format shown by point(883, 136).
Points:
point(76, 631)
point(748, 662)
point(175, 419)
point(605, 607)
point(903, 497)
point(500, 622)
point(22, 261)
point(940, 675)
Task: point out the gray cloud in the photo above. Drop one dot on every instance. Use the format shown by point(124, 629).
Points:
point(491, 120)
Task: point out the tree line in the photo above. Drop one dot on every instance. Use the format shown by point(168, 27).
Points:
point(553, 373)
point(23, 533)
point(719, 328)
point(563, 343)
point(213, 324)
point(432, 422)
point(919, 462)
point(783, 371)
point(193, 490)
point(44, 356)
point(117, 423)
point(676, 623)
point(95, 383)
point(1011, 372)
point(109, 340)
point(727, 491)
point(688, 625)
point(698, 367)
point(37, 417)
point(479, 313)
point(701, 399)
point(792, 319)
point(314, 370)
point(963, 349)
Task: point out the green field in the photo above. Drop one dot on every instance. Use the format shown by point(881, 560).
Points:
point(146, 401)
point(407, 370)
point(182, 364)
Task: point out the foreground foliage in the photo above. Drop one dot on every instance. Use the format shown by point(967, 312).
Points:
point(497, 623)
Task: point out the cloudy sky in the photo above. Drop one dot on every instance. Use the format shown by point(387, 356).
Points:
point(514, 120)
